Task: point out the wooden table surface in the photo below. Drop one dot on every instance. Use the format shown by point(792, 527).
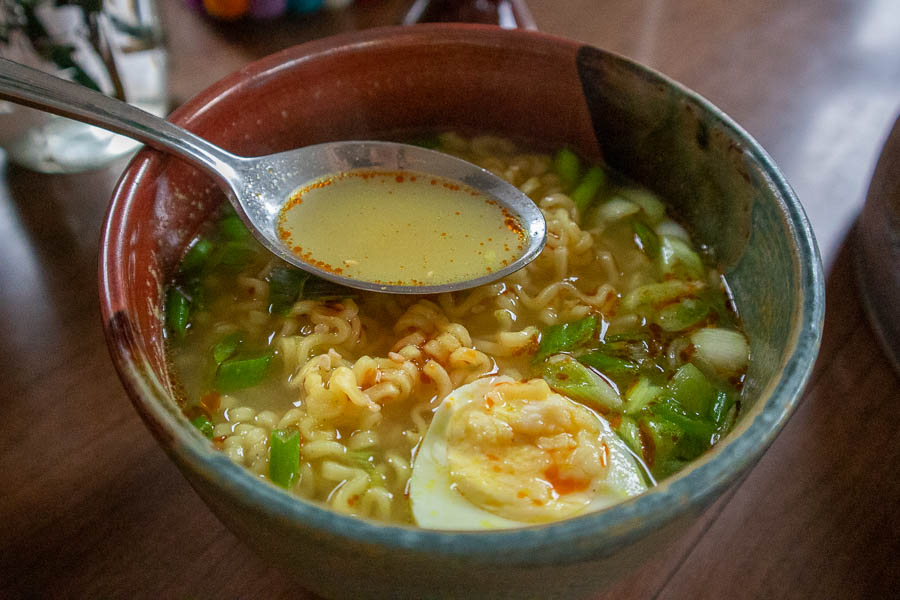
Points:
point(91, 507)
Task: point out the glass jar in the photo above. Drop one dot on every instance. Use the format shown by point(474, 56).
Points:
point(114, 46)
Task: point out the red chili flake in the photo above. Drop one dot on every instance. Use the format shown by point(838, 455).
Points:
point(211, 402)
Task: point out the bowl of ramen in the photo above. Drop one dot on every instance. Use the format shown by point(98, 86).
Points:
point(535, 436)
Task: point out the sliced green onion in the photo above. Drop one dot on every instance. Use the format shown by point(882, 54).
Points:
point(646, 239)
point(677, 258)
point(567, 165)
point(566, 336)
point(630, 433)
point(654, 294)
point(671, 410)
point(616, 209)
point(649, 203)
point(570, 378)
point(720, 409)
point(178, 312)
point(203, 423)
point(284, 457)
point(363, 459)
point(235, 254)
point(228, 347)
point(232, 228)
point(611, 366)
point(660, 440)
point(239, 373)
point(317, 288)
point(195, 258)
point(682, 315)
point(725, 351)
point(196, 291)
point(427, 141)
point(692, 390)
point(641, 395)
point(670, 228)
point(587, 188)
point(285, 288)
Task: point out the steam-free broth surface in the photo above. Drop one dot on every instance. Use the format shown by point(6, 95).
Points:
point(399, 228)
point(605, 365)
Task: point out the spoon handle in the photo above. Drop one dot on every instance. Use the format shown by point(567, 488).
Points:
point(24, 85)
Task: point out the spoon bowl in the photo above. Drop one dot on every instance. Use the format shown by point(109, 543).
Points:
point(258, 187)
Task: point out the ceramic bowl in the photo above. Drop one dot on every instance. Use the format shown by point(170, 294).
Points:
point(524, 85)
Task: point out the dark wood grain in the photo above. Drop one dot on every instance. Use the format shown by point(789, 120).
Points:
point(91, 507)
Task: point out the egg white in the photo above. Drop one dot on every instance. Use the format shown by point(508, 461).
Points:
point(438, 504)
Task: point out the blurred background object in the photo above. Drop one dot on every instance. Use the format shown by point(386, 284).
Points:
point(113, 46)
point(229, 10)
point(509, 14)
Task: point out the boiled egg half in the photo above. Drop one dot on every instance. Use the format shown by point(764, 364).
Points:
point(501, 453)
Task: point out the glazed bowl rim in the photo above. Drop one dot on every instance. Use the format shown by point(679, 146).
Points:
point(566, 541)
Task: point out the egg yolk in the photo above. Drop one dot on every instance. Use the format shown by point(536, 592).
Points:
point(525, 453)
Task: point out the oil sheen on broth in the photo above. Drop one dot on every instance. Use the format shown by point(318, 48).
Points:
point(605, 365)
point(398, 228)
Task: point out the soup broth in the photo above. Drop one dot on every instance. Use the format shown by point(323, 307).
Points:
point(607, 364)
point(399, 228)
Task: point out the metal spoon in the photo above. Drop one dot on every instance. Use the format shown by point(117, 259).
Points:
point(259, 186)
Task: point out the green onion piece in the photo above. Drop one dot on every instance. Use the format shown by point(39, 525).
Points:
point(692, 390)
point(630, 433)
point(646, 239)
point(196, 291)
point(227, 347)
point(569, 377)
point(239, 373)
point(232, 228)
point(235, 255)
point(725, 351)
point(178, 312)
point(363, 459)
point(640, 395)
point(682, 315)
point(611, 366)
point(678, 259)
point(567, 165)
point(203, 423)
point(627, 337)
point(614, 209)
point(566, 336)
point(590, 184)
point(670, 409)
point(195, 258)
point(660, 440)
point(317, 288)
point(427, 141)
point(649, 203)
point(655, 294)
point(284, 457)
point(715, 297)
point(720, 408)
point(285, 288)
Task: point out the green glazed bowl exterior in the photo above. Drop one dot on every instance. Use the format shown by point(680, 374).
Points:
point(528, 86)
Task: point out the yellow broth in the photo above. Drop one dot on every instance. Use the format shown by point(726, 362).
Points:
point(399, 228)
